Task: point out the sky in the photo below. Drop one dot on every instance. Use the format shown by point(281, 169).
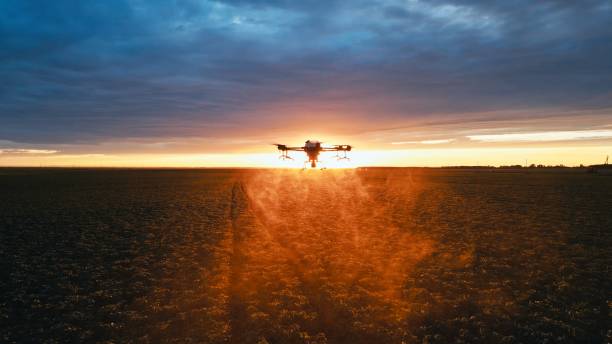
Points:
point(215, 83)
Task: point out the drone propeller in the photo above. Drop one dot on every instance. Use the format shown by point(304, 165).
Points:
point(280, 147)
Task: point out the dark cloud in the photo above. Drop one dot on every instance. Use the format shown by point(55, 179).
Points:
point(90, 71)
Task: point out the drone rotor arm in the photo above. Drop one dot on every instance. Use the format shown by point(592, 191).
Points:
point(338, 148)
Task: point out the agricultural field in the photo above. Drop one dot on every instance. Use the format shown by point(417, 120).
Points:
point(314, 256)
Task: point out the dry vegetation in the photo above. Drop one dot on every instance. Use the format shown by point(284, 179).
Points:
point(338, 256)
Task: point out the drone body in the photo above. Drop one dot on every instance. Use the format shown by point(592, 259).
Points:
point(312, 149)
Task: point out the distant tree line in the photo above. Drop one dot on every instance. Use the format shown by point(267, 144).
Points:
point(514, 166)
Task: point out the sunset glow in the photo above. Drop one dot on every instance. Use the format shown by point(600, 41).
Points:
point(493, 156)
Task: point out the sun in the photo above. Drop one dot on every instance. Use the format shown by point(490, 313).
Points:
point(330, 161)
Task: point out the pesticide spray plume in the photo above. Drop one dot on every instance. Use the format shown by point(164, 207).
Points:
point(323, 251)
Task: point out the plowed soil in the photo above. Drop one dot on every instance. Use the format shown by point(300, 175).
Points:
point(284, 256)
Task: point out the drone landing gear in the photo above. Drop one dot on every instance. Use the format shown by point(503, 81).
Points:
point(285, 156)
point(343, 156)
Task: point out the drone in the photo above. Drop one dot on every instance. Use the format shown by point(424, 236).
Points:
point(312, 149)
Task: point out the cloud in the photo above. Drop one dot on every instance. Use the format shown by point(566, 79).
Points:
point(27, 151)
point(91, 72)
point(544, 136)
point(424, 142)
